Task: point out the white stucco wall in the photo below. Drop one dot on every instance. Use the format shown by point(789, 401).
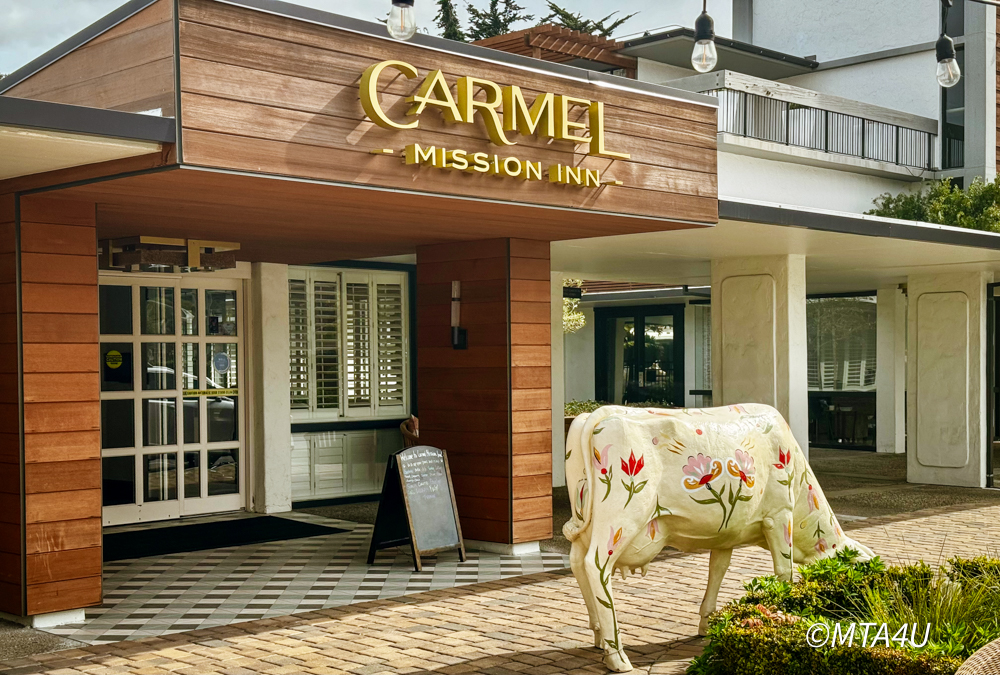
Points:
point(759, 336)
point(272, 431)
point(890, 371)
point(768, 180)
point(837, 30)
point(578, 350)
point(658, 73)
point(904, 83)
point(945, 383)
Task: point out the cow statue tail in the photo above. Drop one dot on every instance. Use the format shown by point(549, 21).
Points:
point(580, 471)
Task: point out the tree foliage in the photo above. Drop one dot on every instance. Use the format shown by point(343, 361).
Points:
point(496, 19)
point(976, 207)
point(567, 19)
point(573, 318)
point(447, 21)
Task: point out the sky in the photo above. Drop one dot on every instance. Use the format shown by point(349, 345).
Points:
point(29, 28)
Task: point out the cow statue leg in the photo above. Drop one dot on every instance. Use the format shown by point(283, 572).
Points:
point(717, 567)
point(777, 534)
point(577, 561)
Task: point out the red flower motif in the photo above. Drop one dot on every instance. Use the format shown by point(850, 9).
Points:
point(698, 431)
point(784, 458)
point(633, 467)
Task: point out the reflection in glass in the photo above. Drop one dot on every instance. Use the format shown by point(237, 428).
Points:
point(189, 366)
point(223, 472)
point(624, 346)
point(158, 366)
point(657, 379)
point(116, 310)
point(192, 474)
point(221, 361)
point(220, 312)
point(192, 420)
point(117, 424)
point(157, 310)
point(116, 366)
point(223, 418)
point(159, 421)
point(118, 480)
point(159, 477)
point(189, 311)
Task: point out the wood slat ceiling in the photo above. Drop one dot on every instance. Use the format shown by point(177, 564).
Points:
point(297, 222)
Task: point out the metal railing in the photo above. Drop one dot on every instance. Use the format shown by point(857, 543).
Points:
point(769, 119)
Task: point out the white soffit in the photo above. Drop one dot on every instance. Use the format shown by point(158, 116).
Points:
point(835, 262)
point(26, 151)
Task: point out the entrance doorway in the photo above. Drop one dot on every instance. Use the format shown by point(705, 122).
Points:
point(640, 354)
point(171, 343)
point(992, 384)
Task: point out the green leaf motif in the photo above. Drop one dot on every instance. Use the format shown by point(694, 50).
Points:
point(604, 602)
point(568, 453)
point(706, 501)
point(597, 430)
point(638, 488)
point(745, 498)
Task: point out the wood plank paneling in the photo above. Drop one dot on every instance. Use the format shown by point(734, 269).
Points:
point(129, 67)
point(11, 560)
point(61, 403)
point(63, 535)
point(57, 596)
point(272, 94)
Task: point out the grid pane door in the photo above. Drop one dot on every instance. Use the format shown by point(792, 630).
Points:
point(171, 413)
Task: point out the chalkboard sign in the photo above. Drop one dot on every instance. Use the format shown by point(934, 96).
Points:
point(417, 505)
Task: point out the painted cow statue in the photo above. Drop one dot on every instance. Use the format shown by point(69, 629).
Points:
point(713, 478)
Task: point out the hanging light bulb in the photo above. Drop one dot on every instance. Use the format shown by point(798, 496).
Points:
point(402, 23)
point(704, 57)
point(948, 72)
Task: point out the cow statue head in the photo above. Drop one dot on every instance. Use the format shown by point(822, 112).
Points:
point(815, 532)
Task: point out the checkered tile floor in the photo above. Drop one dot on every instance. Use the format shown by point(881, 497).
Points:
point(180, 592)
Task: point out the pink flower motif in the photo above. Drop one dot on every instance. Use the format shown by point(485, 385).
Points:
point(653, 528)
point(742, 467)
point(788, 533)
point(581, 495)
point(701, 470)
point(656, 440)
point(812, 499)
point(821, 545)
point(614, 540)
point(632, 467)
point(601, 460)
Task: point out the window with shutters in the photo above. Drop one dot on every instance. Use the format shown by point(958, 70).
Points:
point(841, 343)
point(348, 342)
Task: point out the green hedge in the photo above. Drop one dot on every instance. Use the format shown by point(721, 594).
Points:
point(764, 632)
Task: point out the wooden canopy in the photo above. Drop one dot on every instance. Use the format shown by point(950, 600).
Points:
point(560, 45)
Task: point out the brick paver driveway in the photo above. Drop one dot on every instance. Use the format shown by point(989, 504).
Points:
point(531, 624)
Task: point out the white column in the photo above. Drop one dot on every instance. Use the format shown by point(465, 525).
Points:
point(759, 336)
point(945, 379)
point(558, 383)
point(272, 430)
point(890, 372)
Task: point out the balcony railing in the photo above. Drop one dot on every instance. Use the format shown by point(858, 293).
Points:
point(777, 113)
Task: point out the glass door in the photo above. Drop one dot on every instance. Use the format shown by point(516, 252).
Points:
point(169, 343)
point(640, 354)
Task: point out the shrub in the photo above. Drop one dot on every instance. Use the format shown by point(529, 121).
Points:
point(765, 630)
point(977, 207)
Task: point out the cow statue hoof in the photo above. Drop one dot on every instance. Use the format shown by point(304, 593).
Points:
point(617, 662)
point(598, 639)
point(703, 627)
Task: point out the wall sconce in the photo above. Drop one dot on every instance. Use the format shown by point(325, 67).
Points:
point(459, 336)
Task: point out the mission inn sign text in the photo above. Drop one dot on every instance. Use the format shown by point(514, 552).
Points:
point(504, 112)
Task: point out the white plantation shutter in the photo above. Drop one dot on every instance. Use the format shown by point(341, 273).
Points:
point(348, 344)
point(358, 344)
point(298, 342)
point(326, 312)
point(391, 346)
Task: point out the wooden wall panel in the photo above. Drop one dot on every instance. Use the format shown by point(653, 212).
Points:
point(61, 395)
point(463, 395)
point(267, 93)
point(531, 394)
point(11, 492)
point(129, 68)
point(498, 436)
